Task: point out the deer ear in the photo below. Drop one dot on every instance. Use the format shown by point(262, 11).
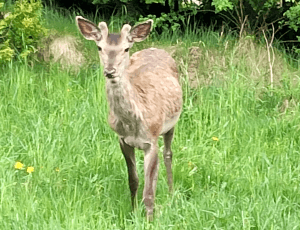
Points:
point(88, 29)
point(141, 31)
point(104, 29)
point(125, 32)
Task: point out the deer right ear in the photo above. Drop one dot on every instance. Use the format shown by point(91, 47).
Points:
point(88, 29)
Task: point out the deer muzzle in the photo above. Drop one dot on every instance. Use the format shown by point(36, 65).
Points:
point(110, 72)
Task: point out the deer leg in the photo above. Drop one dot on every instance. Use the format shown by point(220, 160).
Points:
point(168, 157)
point(129, 155)
point(151, 173)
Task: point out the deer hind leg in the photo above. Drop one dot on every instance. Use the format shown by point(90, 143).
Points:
point(151, 173)
point(168, 137)
point(129, 155)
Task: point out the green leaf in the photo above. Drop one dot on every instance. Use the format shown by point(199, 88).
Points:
point(221, 5)
point(154, 1)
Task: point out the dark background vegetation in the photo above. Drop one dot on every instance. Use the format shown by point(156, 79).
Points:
point(250, 16)
point(269, 21)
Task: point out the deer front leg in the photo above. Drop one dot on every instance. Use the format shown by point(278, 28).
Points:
point(129, 155)
point(151, 173)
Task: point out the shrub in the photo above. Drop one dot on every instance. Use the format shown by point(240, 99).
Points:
point(21, 29)
point(293, 15)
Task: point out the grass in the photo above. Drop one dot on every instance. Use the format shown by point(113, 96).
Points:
point(55, 121)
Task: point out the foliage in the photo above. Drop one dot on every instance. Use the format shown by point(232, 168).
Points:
point(257, 13)
point(222, 5)
point(126, 1)
point(154, 1)
point(256, 16)
point(21, 29)
point(166, 22)
point(6, 53)
point(293, 14)
point(174, 20)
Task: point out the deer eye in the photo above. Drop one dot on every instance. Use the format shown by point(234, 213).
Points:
point(126, 50)
point(99, 48)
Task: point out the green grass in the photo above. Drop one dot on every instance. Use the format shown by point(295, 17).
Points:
point(55, 121)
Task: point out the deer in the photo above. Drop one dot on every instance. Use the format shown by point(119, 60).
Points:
point(144, 97)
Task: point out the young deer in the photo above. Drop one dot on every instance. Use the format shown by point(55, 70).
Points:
point(144, 96)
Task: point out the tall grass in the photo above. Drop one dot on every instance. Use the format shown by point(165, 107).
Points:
point(236, 147)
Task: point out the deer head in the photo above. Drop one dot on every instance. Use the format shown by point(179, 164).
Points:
point(113, 48)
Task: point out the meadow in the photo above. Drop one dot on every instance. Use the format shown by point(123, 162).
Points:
point(236, 146)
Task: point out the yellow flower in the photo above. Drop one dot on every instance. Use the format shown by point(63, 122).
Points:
point(215, 139)
point(57, 169)
point(18, 165)
point(30, 169)
point(190, 164)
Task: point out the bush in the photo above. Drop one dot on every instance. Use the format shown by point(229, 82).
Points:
point(173, 21)
point(293, 15)
point(21, 29)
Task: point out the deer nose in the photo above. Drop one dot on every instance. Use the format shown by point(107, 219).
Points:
point(109, 72)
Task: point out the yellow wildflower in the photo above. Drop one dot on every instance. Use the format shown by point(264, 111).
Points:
point(18, 165)
point(57, 169)
point(215, 139)
point(191, 165)
point(30, 169)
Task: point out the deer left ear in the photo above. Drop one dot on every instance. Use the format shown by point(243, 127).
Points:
point(141, 32)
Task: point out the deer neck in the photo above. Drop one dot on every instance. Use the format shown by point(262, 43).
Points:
point(123, 99)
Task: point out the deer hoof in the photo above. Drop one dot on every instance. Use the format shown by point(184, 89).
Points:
point(150, 216)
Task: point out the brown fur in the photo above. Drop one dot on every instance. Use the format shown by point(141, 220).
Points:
point(144, 96)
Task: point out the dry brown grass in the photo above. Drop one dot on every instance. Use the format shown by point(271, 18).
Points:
point(201, 66)
point(63, 49)
point(254, 59)
point(214, 66)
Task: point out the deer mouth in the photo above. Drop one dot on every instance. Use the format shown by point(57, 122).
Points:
point(113, 79)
